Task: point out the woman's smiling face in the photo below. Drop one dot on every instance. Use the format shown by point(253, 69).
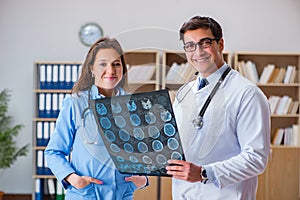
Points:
point(107, 70)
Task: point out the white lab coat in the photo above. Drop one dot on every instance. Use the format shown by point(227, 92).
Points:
point(234, 142)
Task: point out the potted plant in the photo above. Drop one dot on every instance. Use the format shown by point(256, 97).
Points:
point(9, 152)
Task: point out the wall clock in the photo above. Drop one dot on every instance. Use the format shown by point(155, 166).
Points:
point(90, 33)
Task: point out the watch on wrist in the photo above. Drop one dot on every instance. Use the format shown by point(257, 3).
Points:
point(203, 175)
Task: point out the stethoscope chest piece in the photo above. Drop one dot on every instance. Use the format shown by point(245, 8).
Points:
point(198, 122)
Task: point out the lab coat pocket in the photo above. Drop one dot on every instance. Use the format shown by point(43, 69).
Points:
point(213, 128)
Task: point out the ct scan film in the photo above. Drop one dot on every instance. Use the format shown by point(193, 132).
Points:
point(139, 131)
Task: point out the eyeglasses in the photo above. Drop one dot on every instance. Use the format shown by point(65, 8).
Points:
point(203, 43)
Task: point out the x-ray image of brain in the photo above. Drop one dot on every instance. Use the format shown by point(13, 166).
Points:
point(116, 107)
point(131, 105)
point(146, 103)
point(139, 131)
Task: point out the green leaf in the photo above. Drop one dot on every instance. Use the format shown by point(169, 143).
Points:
point(8, 149)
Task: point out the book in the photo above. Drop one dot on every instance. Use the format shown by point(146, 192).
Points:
point(283, 102)
point(140, 73)
point(266, 74)
point(295, 107)
point(183, 71)
point(289, 71)
point(240, 68)
point(290, 107)
point(280, 76)
point(287, 138)
point(295, 137)
point(274, 75)
point(172, 73)
point(293, 76)
point(278, 136)
point(273, 101)
point(287, 106)
point(252, 71)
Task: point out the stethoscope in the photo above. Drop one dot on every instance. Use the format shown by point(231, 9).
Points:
point(198, 122)
point(84, 113)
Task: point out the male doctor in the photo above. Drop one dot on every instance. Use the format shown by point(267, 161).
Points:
point(226, 141)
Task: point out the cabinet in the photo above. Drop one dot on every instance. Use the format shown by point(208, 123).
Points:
point(281, 178)
point(52, 81)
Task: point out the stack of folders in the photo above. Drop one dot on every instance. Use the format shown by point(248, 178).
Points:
point(58, 76)
point(43, 132)
point(50, 189)
point(41, 164)
point(180, 73)
point(50, 104)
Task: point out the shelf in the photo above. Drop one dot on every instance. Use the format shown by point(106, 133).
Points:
point(38, 147)
point(284, 147)
point(51, 91)
point(279, 85)
point(43, 176)
point(281, 156)
point(44, 119)
point(146, 82)
point(285, 116)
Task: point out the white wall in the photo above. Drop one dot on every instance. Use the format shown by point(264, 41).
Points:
point(41, 30)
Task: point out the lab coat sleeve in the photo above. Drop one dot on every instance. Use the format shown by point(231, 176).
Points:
point(61, 141)
point(253, 134)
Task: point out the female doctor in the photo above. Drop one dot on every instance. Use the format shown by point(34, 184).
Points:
point(227, 140)
point(91, 173)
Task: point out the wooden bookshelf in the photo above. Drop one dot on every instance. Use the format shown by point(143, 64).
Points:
point(144, 64)
point(281, 178)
